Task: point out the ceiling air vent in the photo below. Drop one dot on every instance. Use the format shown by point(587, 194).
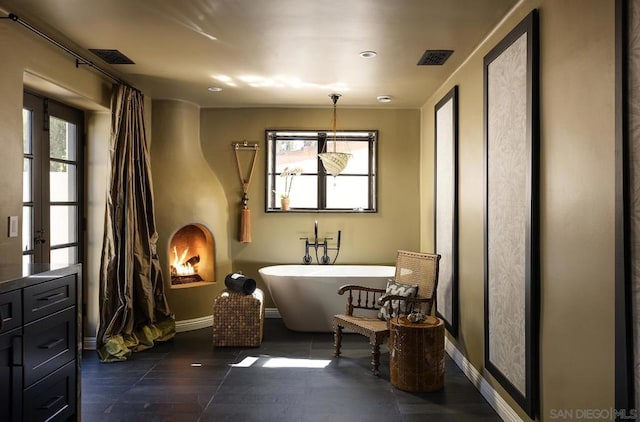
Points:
point(111, 56)
point(434, 57)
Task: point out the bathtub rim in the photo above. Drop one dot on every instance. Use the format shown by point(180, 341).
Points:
point(324, 271)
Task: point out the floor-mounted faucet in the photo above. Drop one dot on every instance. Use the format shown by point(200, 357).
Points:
point(324, 245)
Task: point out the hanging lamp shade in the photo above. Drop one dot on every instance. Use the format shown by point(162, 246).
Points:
point(334, 162)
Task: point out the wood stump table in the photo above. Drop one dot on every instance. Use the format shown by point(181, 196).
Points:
point(417, 354)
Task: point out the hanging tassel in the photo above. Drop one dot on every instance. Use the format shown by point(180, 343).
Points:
point(245, 225)
point(245, 214)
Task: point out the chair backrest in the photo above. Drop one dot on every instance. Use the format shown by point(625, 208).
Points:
point(418, 268)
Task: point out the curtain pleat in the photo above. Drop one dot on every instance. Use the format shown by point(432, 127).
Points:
point(134, 312)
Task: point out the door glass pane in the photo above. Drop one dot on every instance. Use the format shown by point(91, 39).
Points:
point(62, 181)
point(27, 228)
point(63, 224)
point(62, 138)
point(64, 255)
point(27, 127)
point(27, 180)
point(27, 259)
point(351, 192)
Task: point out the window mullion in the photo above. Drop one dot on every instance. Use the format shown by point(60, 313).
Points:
point(322, 179)
point(272, 169)
point(372, 172)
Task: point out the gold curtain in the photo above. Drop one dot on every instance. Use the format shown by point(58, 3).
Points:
point(134, 312)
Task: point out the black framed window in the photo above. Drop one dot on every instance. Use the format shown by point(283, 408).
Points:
point(294, 170)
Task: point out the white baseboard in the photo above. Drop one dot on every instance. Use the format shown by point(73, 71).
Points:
point(496, 401)
point(271, 313)
point(194, 324)
point(89, 343)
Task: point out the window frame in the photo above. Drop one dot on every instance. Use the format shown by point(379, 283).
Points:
point(321, 136)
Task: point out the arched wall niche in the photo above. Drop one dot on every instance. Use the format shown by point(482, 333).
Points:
point(191, 256)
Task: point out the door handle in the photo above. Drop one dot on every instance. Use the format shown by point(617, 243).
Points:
point(39, 237)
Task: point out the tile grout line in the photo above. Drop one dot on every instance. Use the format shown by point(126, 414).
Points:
point(226, 375)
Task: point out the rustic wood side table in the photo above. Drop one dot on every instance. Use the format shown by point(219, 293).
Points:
point(417, 354)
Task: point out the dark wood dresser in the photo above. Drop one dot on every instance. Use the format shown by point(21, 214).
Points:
point(40, 342)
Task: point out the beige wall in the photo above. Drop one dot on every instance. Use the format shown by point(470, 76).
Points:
point(194, 150)
point(576, 202)
point(366, 238)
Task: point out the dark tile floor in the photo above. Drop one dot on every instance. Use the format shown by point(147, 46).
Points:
point(163, 384)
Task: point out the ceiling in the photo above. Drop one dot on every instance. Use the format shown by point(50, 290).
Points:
point(265, 53)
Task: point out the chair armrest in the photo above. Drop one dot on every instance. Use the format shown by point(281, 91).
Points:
point(351, 287)
point(365, 297)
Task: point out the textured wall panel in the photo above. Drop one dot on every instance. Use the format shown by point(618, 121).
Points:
point(445, 208)
point(507, 187)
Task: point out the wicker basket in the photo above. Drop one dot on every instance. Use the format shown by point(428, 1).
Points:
point(238, 319)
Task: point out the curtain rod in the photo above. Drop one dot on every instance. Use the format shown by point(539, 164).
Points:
point(79, 59)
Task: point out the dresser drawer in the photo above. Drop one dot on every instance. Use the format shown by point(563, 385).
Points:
point(53, 398)
point(48, 344)
point(10, 310)
point(45, 298)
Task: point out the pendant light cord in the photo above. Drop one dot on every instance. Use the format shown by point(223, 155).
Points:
point(334, 97)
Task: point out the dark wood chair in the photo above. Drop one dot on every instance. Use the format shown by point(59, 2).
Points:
point(412, 268)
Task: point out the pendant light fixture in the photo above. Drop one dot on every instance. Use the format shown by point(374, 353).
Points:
point(334, 162)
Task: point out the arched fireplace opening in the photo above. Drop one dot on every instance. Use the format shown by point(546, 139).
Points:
point(191, 256)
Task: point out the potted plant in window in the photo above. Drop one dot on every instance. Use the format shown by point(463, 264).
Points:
point(288, 175)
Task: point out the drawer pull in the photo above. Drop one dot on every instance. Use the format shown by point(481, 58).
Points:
point(51, 297)
point(51, 402)
point(51, 344)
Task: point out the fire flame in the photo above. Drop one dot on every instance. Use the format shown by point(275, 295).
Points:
point(179, 264)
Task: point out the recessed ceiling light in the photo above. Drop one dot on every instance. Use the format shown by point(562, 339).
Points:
point(214, 89)
point(384, 98)
point(368, 54)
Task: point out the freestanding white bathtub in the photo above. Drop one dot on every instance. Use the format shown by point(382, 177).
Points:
point(307, 295)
